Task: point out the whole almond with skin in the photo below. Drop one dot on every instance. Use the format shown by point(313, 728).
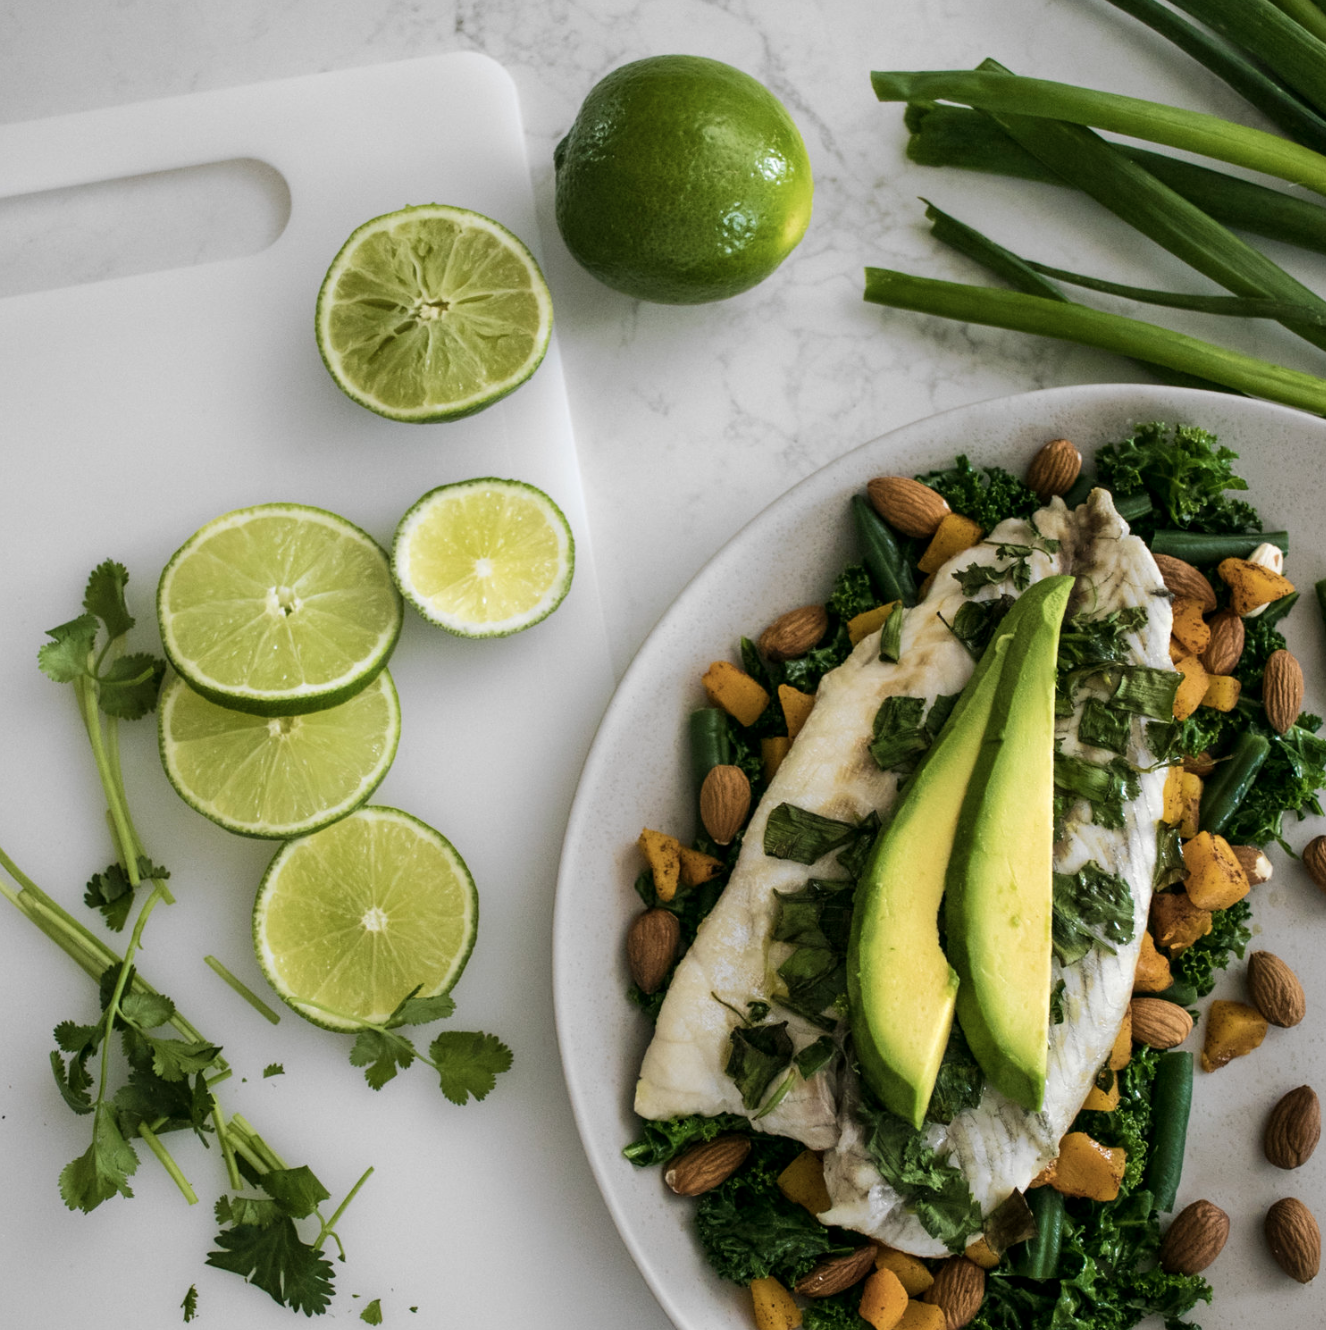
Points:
point(794, 633)
point(1226, 645)
point(724, 802)
point(1195, 1239)
point(1182, 579)
point(1254, 863)
point(1294, 1239)
point(1275, 990)
point(1293, 1129)
point(830, 1277)
point(1314, 860)
point(651, 947)
point(907, 505)
point(1158, 1023)
point(1200, 764)
point(1053, 471)
point(1282, 690)
point(703, 1167)
point(958, 1291)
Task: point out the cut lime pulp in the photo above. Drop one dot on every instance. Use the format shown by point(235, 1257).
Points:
point(278, 610)
point(277, 776)
point(484, 558)
point(432, 313)
point(353, 918)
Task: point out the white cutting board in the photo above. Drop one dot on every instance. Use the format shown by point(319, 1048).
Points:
point(132, 411)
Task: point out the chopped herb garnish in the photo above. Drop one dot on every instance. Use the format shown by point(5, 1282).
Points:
point(1104, 727)
point(802, 836)
point(758, 1054)
point(1106, 788)
point(1092, 908)
point(890, 635)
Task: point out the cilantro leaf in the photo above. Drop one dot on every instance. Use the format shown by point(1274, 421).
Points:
point(273, 1069)
point(147, 1097)
point(274, 1259)
point(190, 1303)
point(295, 1190)
point(421, 1011)
point(146, 1010)
point(257, 1210)
point(128, 689)
point(468, 1063)
point(73, 1081)
point(111, 892)
point(103, 1170)
point(174, 1059)
point(66, 658)
point(78, 1038)
point(372, 1314)
point(380, 1052)
point(104, 597)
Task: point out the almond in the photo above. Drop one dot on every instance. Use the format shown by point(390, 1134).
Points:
point(958, 1291)
point(794, 633)
point(1294, 1239)
point(1254, 863)
point(1195, 1239)
point(651, 947)
point(1314, 860)
point(1200, 764)
point(724, 802)
point(1226, 645)
point(703, 1167)
point(1158, 1023)
point(1282, 690)
point(1293, 1129)
point(1184, 580)
point(1275, 990)
point(907, 505)
point(1053, 471)
point(830, 1277)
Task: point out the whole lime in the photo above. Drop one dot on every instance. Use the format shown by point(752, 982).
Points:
point(682, 180)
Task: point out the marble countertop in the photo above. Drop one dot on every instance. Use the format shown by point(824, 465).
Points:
point(690, 420)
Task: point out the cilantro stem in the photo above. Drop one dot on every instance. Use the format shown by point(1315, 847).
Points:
point(85, 689)
point(329, 1226)
point(227, 1147)
point(167, 1162)
point(243, 990)
point(268, 1157)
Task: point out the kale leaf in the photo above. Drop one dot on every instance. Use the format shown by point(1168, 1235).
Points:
point(665, 1139)
point(1229, 937)
point(986, 494)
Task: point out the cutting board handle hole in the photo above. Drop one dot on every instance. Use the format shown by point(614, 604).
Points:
point(139, 224)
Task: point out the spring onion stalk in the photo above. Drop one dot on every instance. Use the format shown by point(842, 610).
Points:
point(956, 136)
point(1192, 131)
point(1274, 101)
point(1019, 274)
point(1305, 13)
point(1269, 35)
point(1091, 327)
point(1135, 196)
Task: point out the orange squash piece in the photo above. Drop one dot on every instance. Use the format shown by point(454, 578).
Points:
point(663, 855)
point(883, 1299)
point(912, 1273)
point(1189, 627)
point(953, 535)
point(775, 1308)
point(802, 1182)
point(797, 707)
point(1215, 877)
point(735, 691)
point(1087, 1168)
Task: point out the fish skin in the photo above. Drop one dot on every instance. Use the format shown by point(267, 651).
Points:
point(828, 770)
point(998, 1145)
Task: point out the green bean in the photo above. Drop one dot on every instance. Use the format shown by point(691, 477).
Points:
point(710, 746)
point(1039, 1257)
point(1277, 609)
point(1232, 779)
point(883, 559)
point(1133, 506)
point(1171, 1099)
point(1180, 993)
point(1082, 487)
point(1196, 548)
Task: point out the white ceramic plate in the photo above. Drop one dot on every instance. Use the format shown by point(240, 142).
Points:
point(637, 775)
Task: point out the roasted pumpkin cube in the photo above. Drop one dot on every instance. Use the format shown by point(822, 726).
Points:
point(775, 1308)
point(1189, 627)
point(1103, 1101)
point(922, 1316)
point(1087, 1168)
point(1176, 923)
point(663, 855)
point(860, 626)
point(1215, 877)
point(1177, 651)
point(1172, 799)
point(953, 535)
point(772, 752)
point(797, 707)
point(912, 1273)
point(735, 691)
point(802, 1182)
point(1182, 800)
point(883, 1300)
point(697, 867)
point(1250, 584)
point(1122, 1052)
point(1153, 972)
point(1222, 692)
point(1193, 688)
point(1232, 1029)
point(981, 1253)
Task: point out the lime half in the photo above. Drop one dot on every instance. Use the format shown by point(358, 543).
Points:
point(432, 313)
point(277, 776)
point(278, 610)
point(484, 558)
point(353, 918)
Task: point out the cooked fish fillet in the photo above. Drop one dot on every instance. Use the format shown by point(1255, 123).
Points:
point(828, 771)
point(999, 1146)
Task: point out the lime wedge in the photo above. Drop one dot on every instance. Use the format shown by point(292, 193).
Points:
point(278, 610)
point(277, 776)
point(351, 919)
point(484, 558)
point(432, 313)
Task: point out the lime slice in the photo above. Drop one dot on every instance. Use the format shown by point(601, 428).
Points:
point(351, 919)
point(278, 776)
point(484, 558)
point(278, 610)
point(432, 313)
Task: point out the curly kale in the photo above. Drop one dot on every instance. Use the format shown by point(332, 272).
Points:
point(986, 494)
point(1229, 936)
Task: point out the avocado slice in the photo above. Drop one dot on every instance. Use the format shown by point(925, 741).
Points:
point(999, 890)
point(900, 986)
